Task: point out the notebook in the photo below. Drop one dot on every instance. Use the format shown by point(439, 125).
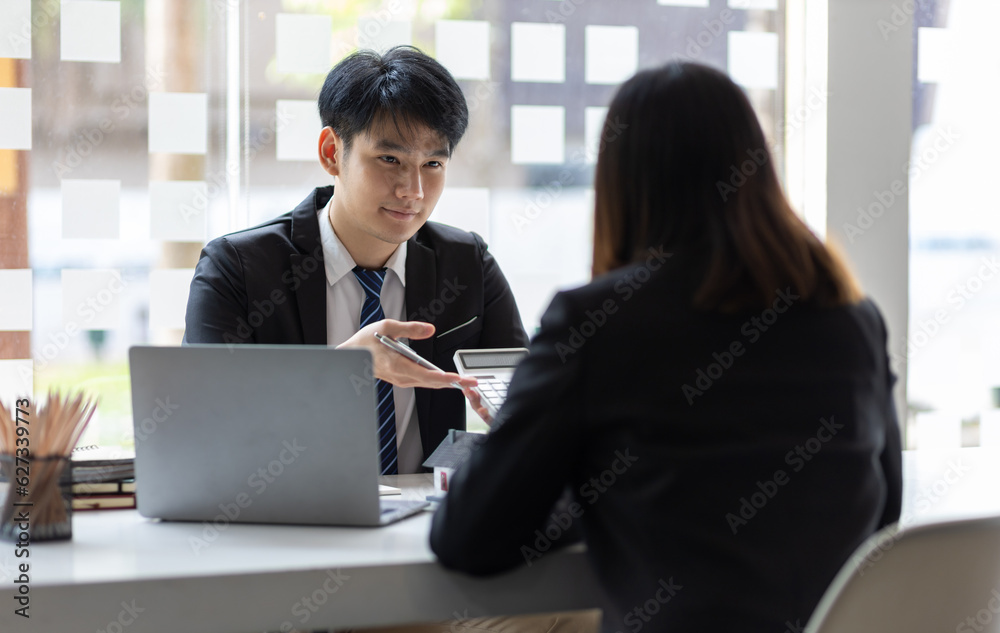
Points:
point(258, 434)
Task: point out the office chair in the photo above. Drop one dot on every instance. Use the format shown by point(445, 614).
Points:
point(934, 578)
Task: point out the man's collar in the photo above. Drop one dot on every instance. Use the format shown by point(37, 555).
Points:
point(338, 260)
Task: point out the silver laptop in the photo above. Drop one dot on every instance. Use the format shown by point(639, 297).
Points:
point(258, 434)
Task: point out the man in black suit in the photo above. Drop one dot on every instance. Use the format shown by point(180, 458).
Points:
point(343, 265)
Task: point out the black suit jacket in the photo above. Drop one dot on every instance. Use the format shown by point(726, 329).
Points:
point(722, 467)
point(267, 284)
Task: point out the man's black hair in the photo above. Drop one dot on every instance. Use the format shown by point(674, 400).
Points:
point(403, 85)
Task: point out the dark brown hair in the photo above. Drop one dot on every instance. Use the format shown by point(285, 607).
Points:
point(684, 166)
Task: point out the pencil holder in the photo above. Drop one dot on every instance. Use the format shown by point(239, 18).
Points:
point(38, 500)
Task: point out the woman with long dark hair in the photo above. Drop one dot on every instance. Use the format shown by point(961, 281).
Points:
point(716, 404)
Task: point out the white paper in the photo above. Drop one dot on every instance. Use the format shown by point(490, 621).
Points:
point(91, 209)
point(463, 47)
point(15, 118)
point(92, 298)
point(753, 59)
point(612, 53)
point(537, 135)
point(770, 5)
point(178, 122)
point(684, 3)
point(16, 380)
point(935, 54)
point(168, 296)
point(302, 42)
point(298, 130)
point(90, 31)
point(178, 210)
point(16, 294)
point(537, 52)
point(593, 125)
point(15, 29)
point(467, 208)
point(379, 34)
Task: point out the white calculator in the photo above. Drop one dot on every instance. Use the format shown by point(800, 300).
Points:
point(493, 369)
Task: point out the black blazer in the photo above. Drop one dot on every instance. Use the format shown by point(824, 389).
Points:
point(722, 467)
point(267, 284)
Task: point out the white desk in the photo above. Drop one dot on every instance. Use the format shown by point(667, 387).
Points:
point(254, 578)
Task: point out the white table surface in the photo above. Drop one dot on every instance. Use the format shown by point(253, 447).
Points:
point(259, 577)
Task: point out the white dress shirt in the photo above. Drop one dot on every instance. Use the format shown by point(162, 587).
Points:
point(344, 298)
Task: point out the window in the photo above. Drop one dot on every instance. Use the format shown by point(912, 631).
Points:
point(134, 131)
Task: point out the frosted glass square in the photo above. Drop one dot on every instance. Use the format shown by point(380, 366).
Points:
point(16, 380)
point(753, 59)
point(178, 210)
point(377, 34)
point(935, 54)
point(537, 135)
point(302, 42)
point(298, 130)
point(168, 296)
point(769, 5)
point(90, 31)
point(92, 298)
point(15, 29)
point(537, 52)
point(178, 122)
point(467, 208)
point(90, 209)
point(15, 308)
point(612, 53)
point(15, 118)
point(593, 125)
point(463, 47)
point(684, 3)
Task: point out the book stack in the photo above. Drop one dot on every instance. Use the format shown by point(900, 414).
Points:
point(103, 478)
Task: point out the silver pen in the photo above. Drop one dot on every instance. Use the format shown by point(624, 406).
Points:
point(408, 352)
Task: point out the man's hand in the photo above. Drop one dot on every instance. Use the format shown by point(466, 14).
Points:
point(395, 368)
point(477, 405)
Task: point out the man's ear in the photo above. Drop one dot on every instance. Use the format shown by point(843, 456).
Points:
point(330, 151)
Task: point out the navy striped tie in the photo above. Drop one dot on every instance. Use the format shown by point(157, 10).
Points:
point(371, 311)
